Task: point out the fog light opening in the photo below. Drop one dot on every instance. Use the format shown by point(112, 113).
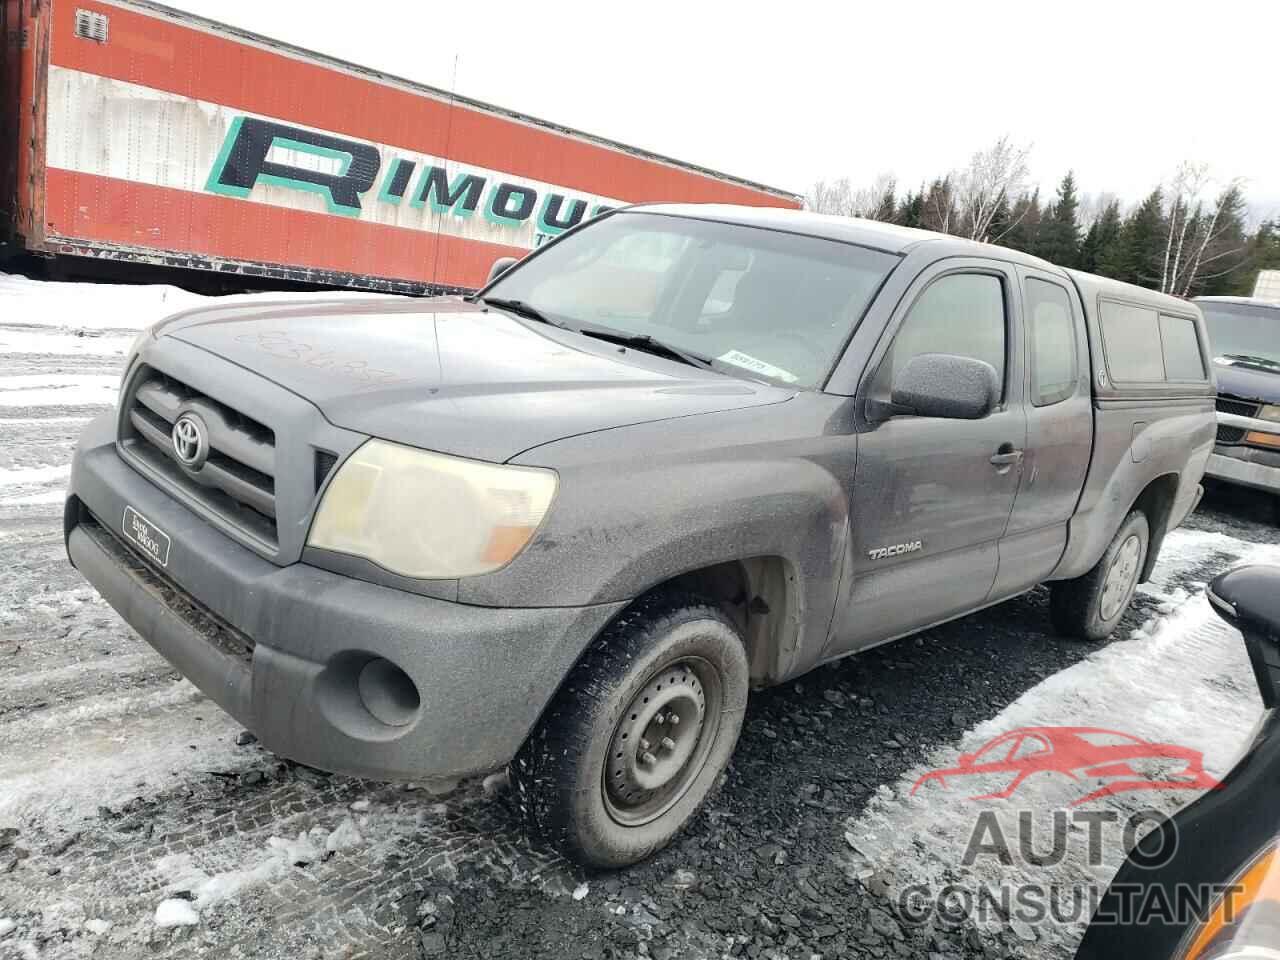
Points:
point(387, 692)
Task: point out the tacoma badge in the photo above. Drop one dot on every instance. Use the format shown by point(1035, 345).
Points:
point(897, 550)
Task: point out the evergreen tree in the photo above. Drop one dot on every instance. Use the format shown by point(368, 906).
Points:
point(887, 208)
point(910, 212)
point(1101, 238)
point(1000, 222)
point(1227, 253)
point(1263, 254)
point(1024, 220)
point(939, 212)
point(1137, 255)
point(1059, 238)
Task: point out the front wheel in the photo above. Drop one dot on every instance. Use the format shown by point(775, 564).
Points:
point(637, 736)
point(1090, 606)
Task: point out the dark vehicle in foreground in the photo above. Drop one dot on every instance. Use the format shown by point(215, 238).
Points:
point(1244, 335)
point(1227, 840)
point(1121, 761)
point(567, 524)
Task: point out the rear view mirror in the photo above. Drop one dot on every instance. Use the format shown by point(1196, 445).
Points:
point(1248, 598)
point(500, 266)
point(944, 385)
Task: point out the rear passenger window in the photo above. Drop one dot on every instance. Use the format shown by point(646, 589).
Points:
point(1130, 334)
point(1145, 346)
point(960, 314)
point(1182, 358)
point(1054, 370)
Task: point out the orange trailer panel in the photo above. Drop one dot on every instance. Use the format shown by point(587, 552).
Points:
point(168, 139)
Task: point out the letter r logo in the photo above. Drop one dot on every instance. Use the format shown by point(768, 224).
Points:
point(243, 163)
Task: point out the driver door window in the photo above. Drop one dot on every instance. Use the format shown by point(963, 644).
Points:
point(961, 314)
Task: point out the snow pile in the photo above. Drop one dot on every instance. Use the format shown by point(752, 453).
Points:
point(202, 890)
point(176, 913)
point(88, 306)
point(1182, 679)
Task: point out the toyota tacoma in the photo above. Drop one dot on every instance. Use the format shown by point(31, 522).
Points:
point(563, 526)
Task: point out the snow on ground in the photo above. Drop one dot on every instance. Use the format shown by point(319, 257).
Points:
point(131, 819)
point(58, 390)
point(143, 828)
point(1182, 679)
point(32, 475)
point(17, 341)
point(88, 306)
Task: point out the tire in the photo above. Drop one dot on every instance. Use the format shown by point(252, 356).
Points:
point(1084, 608)
point(580, 786)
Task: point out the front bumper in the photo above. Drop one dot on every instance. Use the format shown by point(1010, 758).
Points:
point(1246, 473)
point(282, 648)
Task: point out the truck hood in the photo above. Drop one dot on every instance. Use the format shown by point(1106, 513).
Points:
point(455, 377)
point(1250, 378)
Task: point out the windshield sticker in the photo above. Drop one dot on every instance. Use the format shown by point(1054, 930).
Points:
point(747, 362)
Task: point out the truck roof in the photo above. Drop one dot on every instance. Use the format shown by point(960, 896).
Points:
point(892, 238)
point(888, 237)
point(1243, 301)
point(1091, 286)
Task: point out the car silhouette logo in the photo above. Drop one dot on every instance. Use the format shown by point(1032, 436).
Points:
point(190, 441)
point(1123, 762)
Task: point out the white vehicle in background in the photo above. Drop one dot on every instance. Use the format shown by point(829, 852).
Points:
point(1267, 286)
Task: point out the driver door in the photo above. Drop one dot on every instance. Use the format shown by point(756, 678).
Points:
point(932, 496)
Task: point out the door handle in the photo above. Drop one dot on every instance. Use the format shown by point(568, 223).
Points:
point(1006, 456)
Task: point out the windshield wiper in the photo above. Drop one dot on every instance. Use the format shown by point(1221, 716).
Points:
point(646, 343)
point(520, 308)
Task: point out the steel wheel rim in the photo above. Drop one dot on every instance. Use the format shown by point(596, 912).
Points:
point(1120, 578)
point(645, 777)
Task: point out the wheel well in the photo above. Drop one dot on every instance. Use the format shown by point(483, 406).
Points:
point(1156, 501)
point(760, 595)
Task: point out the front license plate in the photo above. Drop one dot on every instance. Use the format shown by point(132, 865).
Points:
point(153, 541)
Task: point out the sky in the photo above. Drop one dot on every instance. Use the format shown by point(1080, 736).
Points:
point(1121, 92)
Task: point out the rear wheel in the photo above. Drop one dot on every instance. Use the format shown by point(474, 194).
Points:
point(638, 735)
point(1090, 606)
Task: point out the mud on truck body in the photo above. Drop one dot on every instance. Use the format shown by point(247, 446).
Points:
point(683, 450)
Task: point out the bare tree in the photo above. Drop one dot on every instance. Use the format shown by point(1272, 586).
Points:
point(993, 178)
point(831, 196)
point(1197, 236)
point(841, 198)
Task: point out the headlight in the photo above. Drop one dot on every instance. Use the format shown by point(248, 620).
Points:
point(429, 516)
point(1243, 918)
point(1269, 412)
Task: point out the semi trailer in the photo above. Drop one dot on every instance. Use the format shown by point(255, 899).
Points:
point(133, 135)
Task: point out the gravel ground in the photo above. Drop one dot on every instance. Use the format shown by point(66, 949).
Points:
point(122, 789)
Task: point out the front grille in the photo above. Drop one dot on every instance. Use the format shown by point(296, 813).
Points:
point(236, 481)
point(1230, 435)
point(1241, 408)
point(216, 631)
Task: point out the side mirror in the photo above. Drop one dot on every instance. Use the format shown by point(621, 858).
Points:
point(500, 266)
point(1248, 598)
point(944, 385)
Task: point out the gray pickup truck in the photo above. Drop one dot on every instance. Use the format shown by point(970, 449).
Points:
point(563, 526)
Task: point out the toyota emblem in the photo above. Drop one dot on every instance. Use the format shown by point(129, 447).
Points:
point(190, 441)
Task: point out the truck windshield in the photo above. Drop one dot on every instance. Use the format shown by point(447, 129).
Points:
point(1243, 330)
point(755, 302)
